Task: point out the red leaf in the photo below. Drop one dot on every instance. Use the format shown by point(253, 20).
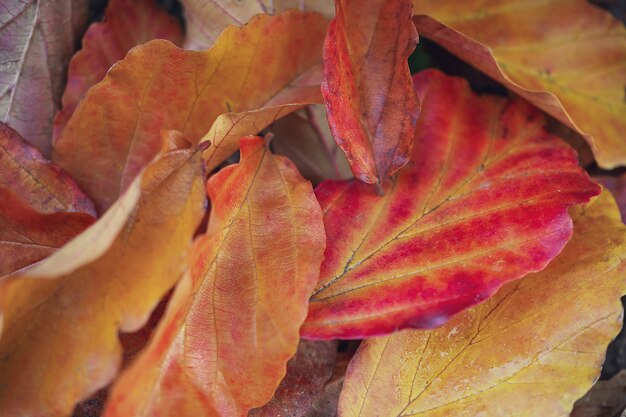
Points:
point(127, 23)
point(483, 201)
point(372, 108)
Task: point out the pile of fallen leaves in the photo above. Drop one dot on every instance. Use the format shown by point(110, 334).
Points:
point(387, 245)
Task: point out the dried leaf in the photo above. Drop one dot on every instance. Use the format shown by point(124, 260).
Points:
point(617, 185)
point(535, 50)
point(233, 321)
point(28, 236)
point(35, 180)
point(61, 319)
point(307, 375)
point(305, 138)
point(604, 399)
point(127, 23)
point(531, 350)
point(37, 39)
point(270, 62)
point(207, 19)
point(372, 107)
point(482, 202)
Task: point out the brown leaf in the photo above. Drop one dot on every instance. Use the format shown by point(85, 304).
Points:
point(367, 87)
point(37, 40)
point(604, 399)
point(566, 57)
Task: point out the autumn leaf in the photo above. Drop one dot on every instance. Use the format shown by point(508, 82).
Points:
point(307, 375)
point(617, 185)
point(37, 39)
point(127, 23)
point(115, 130)
point(305, 138)
point(62, 317)
point(207, 19)
point(531, 350)
point(482, 202)
point(604, 399)
point(233, 321)
point(535, 50)
point(28, 236)
point(35, 180)
point(367, 87)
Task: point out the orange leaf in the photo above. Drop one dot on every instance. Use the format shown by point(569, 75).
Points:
point(115, 130)
point(35, 180)
point(482, 202)
point(207, 19)
point(62, 317)
point(37, 40)
point(127, 23)
point(535, 50)
point(307, 375)
point(531, 350)
point(367, 86)
point(233, 321)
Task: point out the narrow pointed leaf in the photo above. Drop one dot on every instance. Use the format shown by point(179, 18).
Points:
point(35, 180)
point(483, 201)
point(535, 50)
point(127, 23)
point(367, 86)
point(233, 321)
point(115, 131)
point(207, 19)
point(61, 319)
point(37, 40)
point(531, 350)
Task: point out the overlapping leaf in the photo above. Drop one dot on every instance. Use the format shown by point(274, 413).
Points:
point(62, 317)
point(41, 207)
point(114, 132)
point(531, 350)
point(482, 202)
point(233, 321)
point(37, 39)
point(127, 23)
point(567, 57)
point(604, 399)
point(207, 19)
point(617, 185)
point(372, 108)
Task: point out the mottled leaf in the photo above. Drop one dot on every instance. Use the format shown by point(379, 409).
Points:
point(233, 321)
point(207, 19)
point(531, 350)
point(372, 107)
point(482, 202)
point(567, 57)
point(127, 23)
point(37, 40)
point(116, 128)
point(307, 374)
point(61, 318)
point(35, 180)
